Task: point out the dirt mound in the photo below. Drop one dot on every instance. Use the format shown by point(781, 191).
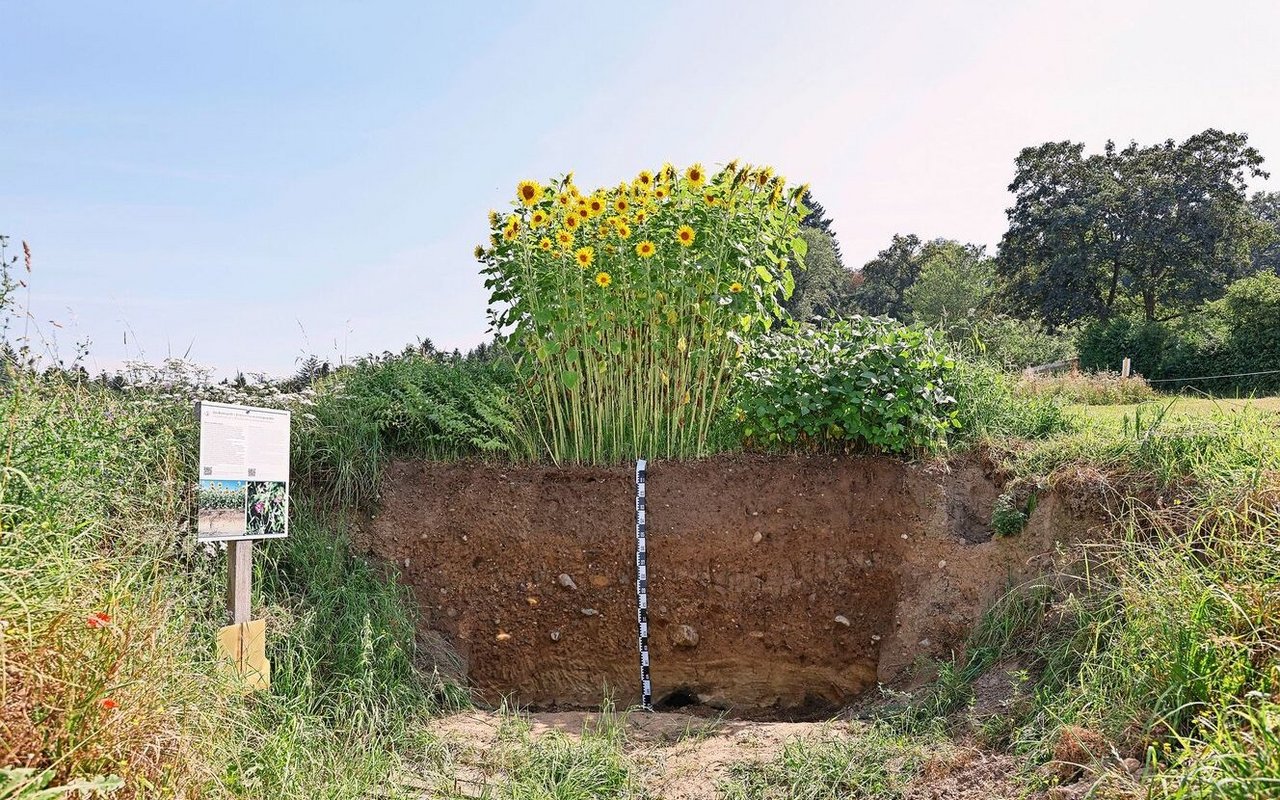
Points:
point(778, 586)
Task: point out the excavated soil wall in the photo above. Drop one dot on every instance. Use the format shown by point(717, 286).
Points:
point(778, 586)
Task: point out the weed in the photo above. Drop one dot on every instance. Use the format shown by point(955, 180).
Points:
point(862, 762)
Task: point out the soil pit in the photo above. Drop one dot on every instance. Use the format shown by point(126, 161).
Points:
point(780, 587)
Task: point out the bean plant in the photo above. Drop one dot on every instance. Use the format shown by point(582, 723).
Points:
point(628, 307)
point(854, 383)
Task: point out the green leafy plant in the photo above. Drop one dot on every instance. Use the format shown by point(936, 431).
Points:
point(627, 308)
point(864, 381)
point(1010, 516)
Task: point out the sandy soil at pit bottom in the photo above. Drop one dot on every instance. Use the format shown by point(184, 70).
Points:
point(684, 757)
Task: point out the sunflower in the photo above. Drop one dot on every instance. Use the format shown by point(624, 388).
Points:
point(479, 252)
point(661, 192)
point(584, 211)
point(544, 243)
point(695, 175)
point(646, 249)
point(644, 179)
point(572, 220)
point(512, 230)
point(763, 176)
point(603, 279)
point(563, 199)
point(529, 192)
point(684, 235)
point(595, 206)
point(621, 205)
point(735, 287)
point(623, 229)
point(564, 238)
point(539, 218)
point(641, 216)
point(585, 256)
point(493, 218)
point(711, 199)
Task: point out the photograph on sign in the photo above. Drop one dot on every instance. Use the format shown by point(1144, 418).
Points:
point(243, 491)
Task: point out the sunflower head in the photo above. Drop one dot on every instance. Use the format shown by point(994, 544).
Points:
point(584, 211)
point(645, 178)
point(585, 256)
point(493, 218)
point(695, 175)
point(479, 252)
point(763, 176)
point(563, 199)
point(646, 249)
point(595, 206)
point(572, 220)
point(544, 243)
point(621, 205)
point(623, 229)
point(711, 199)
point(529, 192)
point(685, 235)
point(564, 238)
point(538, 218)
point(735, 287)
point(603, 280)
point(661, 192)
point(641, 216)
point(512, 230)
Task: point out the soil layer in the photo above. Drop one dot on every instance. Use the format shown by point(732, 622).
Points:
point(779, 586)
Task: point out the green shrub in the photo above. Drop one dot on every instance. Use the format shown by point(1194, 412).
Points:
point(865, 381)
point(1233, 336)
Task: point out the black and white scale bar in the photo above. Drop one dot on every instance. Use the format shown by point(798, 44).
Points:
point(642, 590)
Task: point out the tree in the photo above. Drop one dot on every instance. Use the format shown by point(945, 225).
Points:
point(1266, 250)
point(1156, 230)
point(886, 278)
point(956, 282)
point(823, 286)
point(817, 219)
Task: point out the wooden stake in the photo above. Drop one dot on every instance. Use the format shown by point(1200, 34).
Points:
point(239, 580)
point(1124, 368)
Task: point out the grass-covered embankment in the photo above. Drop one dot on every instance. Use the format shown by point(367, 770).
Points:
point(108, 610)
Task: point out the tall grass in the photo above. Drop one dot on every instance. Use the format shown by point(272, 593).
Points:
point(109, 611)
point(1163, 639)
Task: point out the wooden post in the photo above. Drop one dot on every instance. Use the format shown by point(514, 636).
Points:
point(1124, 368)
point(239, 580)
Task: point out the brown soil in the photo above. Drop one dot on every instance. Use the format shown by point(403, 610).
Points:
point(863, 568)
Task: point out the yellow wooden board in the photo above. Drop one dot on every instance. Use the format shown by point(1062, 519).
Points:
point(244, 648)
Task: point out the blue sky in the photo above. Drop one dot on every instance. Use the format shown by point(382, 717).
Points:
point(248, 182)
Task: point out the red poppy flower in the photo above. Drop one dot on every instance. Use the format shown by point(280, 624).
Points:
point(108, 703)
point(98, 619)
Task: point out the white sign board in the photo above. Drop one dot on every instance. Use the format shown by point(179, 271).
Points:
point(244, 473)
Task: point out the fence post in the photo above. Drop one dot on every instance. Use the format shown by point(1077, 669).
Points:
point(1124, 368)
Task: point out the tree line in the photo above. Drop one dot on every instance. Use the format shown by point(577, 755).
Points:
point(1146, 238)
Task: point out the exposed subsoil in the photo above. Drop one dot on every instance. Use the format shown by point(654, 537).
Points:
point(780, 587)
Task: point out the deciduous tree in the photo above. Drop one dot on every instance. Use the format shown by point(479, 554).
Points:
point(1150, 229)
